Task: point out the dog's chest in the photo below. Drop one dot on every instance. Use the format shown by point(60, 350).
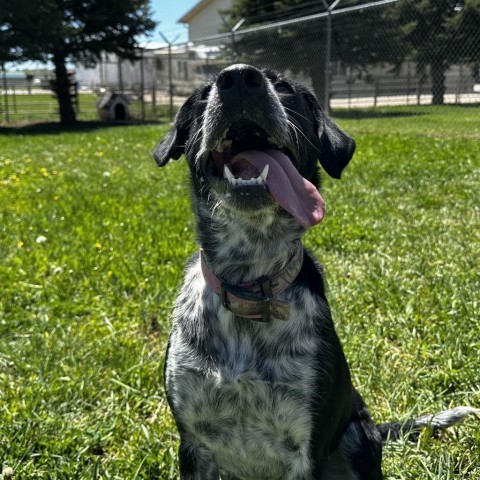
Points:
point(249, 402)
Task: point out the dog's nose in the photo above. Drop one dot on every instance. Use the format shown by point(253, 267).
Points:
point(240, 79)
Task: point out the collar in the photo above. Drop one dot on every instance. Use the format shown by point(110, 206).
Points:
point(256, 300)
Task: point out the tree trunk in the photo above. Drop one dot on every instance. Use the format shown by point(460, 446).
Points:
point(62, 90)
point(438, 69)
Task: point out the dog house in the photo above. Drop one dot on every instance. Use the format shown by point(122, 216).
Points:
point(114, 107)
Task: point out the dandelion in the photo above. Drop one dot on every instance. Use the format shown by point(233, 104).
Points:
point(20, 244)
point(7, 472)
point(98, 245)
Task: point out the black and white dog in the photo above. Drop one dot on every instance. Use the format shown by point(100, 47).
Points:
point(255, 373)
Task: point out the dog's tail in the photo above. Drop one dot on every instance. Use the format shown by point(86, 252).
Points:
point(437, 421)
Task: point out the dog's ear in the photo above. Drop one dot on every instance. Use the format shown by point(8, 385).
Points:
point(173, 144)
point(336, 147)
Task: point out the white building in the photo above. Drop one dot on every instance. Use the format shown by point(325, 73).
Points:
point(116, 74)
point(204, 19)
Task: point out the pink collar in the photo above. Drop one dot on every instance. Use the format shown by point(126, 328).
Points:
point(256, 300)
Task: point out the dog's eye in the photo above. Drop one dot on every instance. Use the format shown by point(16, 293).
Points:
point(283, 88)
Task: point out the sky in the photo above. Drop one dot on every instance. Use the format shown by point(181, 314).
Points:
point(166, 13)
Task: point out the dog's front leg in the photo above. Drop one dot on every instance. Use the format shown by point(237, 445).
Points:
point(196, 463)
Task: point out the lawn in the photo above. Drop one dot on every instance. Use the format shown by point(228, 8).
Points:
point(93, 240)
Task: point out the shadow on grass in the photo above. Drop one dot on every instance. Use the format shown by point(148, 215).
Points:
point(55, 128)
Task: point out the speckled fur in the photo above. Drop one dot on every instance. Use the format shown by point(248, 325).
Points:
point(254, 400)
point(237, 383)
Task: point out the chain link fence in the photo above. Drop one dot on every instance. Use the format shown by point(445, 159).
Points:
point(377, 53)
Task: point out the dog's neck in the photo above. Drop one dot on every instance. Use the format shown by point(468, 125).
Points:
point(240, 248)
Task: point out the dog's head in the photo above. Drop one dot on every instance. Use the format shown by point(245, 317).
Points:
point(252, 139)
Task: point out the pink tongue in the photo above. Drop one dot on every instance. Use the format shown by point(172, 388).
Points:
point(293, 192)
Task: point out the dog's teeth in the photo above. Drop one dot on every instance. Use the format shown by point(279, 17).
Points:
point(260, 180)
point(264, 173)
point(228, 175)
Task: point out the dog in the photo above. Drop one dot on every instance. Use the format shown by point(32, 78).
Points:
point(255, 374)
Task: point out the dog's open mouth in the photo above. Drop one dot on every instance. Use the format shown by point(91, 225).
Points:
point(228, 164)
point(249, 162)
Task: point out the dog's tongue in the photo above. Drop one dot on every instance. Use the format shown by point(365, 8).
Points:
point(293, 192)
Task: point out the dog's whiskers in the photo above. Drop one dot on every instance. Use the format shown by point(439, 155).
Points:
point(291, 122)
point(197, 135)
point(297, 114)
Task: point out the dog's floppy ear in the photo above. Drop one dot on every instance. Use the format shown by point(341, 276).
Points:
point(173, 144)
point(336, 147)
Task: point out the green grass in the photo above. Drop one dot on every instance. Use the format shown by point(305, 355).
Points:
point(93, 240)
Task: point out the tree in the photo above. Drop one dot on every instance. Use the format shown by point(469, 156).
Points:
point(358, 39)
point(440, 33)
point(63, 31)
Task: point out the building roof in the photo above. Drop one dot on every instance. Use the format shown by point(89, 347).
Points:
point(109, 98)
point(197, 8)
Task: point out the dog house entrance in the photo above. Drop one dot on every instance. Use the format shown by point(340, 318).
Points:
point(120, 112)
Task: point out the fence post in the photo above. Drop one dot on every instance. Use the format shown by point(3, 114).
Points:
point(154, 88)
point(459, 85)
point(14, 99)
point(170, 72)
point(328, 53)
point(328, 44)
point(142, 85)
point(170, 82)
point(5, 93)
point(408, 83)
point(120, 74)
point(349, 94)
